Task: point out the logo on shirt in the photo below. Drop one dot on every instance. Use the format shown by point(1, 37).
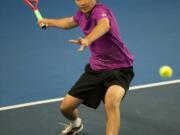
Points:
point(103, 14)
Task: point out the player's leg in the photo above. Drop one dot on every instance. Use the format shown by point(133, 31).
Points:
point(68, 108)
point(113, 100)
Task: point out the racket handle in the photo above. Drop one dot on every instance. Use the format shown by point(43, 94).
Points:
point(39, 17)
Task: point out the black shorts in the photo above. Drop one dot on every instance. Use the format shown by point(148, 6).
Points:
point(92, 85)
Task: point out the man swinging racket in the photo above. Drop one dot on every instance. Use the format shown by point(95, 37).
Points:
point(108, 75)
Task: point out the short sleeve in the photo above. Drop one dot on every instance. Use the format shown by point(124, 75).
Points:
point(76, 17)
point(100, 13)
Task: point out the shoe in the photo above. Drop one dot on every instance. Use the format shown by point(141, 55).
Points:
point(69, 130)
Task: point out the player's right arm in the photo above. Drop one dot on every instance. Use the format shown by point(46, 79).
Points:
point(64, 23)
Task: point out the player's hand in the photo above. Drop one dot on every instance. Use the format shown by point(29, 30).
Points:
point(81, 48)
point(43, 21)
point(82, 41)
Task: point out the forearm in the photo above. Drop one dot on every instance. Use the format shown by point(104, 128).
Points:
point(101, 28)
point(64, 23)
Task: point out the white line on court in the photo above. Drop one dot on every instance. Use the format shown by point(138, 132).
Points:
point(60, 99)
point(30, 104)
point(154, 84)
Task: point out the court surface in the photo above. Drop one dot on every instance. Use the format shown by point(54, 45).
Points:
point(153, 110)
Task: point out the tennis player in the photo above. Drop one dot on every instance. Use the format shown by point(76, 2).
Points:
point(109, 72)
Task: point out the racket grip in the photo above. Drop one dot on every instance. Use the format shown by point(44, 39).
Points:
point(39, 17)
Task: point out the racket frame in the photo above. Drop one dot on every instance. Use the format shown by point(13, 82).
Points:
point(35, 10)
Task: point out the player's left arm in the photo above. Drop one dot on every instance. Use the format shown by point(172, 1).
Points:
point(102, 27)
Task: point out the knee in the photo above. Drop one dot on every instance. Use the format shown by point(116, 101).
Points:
point(112, 103)
point(64, 108)
point(114, 97)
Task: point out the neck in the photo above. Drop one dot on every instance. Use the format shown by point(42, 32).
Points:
point(88, 14)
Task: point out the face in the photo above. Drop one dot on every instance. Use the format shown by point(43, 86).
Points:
point(85, 5)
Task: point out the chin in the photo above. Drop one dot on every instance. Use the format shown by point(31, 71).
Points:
point(85, 11)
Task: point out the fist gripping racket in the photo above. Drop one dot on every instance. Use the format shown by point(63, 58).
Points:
point(33, 4)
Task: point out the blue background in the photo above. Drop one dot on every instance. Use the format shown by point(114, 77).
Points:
point(38, 64)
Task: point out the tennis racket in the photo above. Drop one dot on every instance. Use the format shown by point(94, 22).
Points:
point(33, 4)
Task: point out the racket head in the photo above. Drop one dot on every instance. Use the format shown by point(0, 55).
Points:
point(33, 4)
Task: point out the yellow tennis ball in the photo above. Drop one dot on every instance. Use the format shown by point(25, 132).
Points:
point(166, 71)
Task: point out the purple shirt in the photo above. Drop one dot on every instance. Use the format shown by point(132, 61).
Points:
point(108, 52)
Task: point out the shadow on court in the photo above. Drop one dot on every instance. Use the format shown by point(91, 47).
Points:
point(149, 111)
